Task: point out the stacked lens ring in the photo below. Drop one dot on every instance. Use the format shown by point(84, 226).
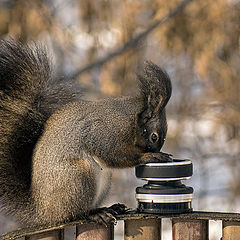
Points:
point(164, 193)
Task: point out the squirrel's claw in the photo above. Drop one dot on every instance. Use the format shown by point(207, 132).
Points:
point(156, 157)
point(167, 156)
point(119, 208)
point(102, 216)
point(106, 215)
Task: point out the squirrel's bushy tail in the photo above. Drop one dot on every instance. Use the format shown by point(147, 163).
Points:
point(28, 97)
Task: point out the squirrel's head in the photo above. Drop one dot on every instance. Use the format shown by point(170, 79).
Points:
point(154, 132)
point(156, 89)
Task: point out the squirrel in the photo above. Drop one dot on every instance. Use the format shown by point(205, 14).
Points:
point(57, 149)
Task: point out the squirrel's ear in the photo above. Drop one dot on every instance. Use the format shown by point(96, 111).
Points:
point(156, 88)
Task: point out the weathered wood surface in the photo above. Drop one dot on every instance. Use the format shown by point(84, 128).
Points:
point(93, 231)
point(235, 217)
point(231, 230)
point(26, 232)
point(192, 215)
point(52, 235)
point(190, 229)
point(142, 229)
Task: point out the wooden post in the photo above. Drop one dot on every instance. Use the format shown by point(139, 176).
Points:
point(51, 235)
point(93, 231)
point(142, 229)
point(189, 229)
point(231, 230)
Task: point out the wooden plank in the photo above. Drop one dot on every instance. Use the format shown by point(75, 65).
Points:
point(198, 215)
point(93, 231)
point(51, 235)
point(142, 229)
point(189, 229)
point(133, 215)
point(231, 230)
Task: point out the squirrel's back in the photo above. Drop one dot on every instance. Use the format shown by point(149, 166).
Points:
point(28, 96)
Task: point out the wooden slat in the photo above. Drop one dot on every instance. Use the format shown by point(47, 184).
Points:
point(95, 232)
point(192, 215)
point(189, 229)
point(52, 235)
point(231, 230)
point(142, 229)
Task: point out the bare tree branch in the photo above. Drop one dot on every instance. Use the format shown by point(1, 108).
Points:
point(131, 42)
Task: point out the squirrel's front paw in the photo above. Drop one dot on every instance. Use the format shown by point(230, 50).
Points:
point(156, 157)
point(119, 208)
point(106, 215)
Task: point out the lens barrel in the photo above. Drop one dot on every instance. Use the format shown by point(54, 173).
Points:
point(164, 193)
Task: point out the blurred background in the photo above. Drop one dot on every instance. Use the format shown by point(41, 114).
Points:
point(199, 48)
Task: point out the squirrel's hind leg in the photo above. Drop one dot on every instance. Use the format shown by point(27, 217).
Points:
point(65, 193)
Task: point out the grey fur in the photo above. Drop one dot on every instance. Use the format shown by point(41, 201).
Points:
point(54, 146)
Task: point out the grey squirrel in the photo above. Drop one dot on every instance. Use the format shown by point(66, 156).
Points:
point(57, 150)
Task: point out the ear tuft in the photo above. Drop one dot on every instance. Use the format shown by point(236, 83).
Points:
point(156, 88)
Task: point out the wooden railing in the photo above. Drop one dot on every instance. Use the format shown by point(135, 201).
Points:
point(191, 226)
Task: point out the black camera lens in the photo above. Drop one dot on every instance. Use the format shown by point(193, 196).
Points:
point(167, 171)
point(164, 193)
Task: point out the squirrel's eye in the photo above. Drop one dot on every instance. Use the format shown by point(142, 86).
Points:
point(154, 137)
point(144, 130)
